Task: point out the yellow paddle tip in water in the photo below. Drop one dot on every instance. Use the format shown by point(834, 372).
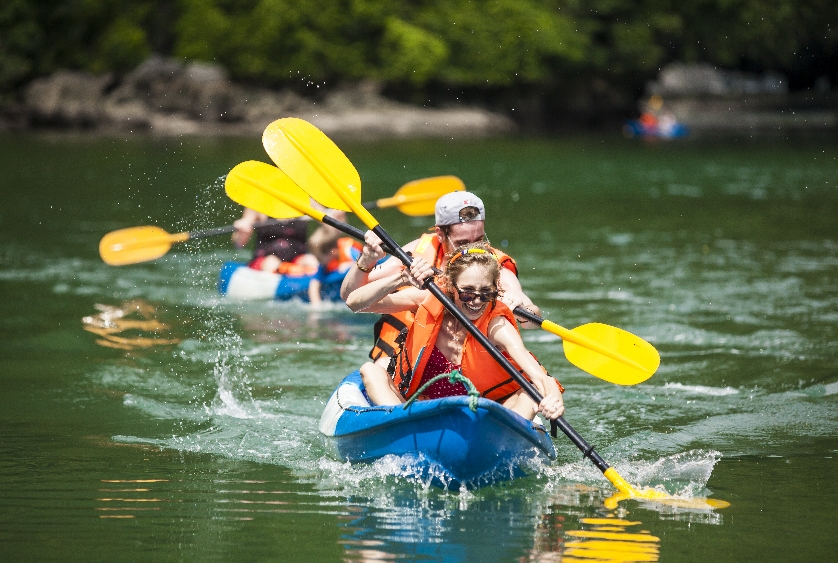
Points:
point(625, 492)
point(657, 497)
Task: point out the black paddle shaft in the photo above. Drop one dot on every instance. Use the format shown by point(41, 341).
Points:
point(357, 234)
point(211, 232)
point(231, 229)
point(528, 387)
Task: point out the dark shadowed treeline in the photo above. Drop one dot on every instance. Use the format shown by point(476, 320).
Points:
point(500, 52)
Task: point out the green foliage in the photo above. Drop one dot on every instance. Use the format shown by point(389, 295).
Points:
point(278, 40)
point(40, 36)
point(503, 42)
point(19, 37)
point(410, 53)
point(123, 46)
point(477, 44)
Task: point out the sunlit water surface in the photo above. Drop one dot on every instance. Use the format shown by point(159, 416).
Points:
point(147, 418)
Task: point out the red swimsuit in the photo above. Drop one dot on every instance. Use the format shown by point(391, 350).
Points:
point(436, 365)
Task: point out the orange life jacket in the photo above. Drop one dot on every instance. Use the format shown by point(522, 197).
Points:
point(388, 327)
point(344, 254)
point(293, 268)
point(490, 379)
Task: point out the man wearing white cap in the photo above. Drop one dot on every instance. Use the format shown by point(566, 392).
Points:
point(460, 218)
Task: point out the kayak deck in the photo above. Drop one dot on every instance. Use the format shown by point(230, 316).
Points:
point(238, 280)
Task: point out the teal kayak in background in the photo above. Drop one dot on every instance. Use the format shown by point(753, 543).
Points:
point(238, 280)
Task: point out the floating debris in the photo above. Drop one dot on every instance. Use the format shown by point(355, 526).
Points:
point(111, 322)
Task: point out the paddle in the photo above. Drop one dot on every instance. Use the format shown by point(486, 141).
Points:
point(302, 151)
point(267, 189)
point(607, 352)
point(142, 244)
point(418, 198)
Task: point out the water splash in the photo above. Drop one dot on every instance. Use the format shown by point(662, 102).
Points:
point(702, 389)
point(683, 475)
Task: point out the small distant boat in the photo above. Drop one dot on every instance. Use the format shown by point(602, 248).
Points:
point(238, 280)
point(655, 128)
point(441, 440)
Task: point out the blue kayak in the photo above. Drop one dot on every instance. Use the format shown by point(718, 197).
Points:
point(635, 128)
point(439, 439)
point(236, 279)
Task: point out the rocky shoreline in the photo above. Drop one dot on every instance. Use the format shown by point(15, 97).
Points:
point(164, 97)
point(713, 101)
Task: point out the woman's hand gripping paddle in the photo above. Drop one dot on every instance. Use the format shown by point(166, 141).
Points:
point(604, 351)
point(306, 155)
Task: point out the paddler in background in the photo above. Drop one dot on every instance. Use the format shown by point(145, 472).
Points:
point(334, 253)
point(279, 247)
point(437, 343)
point(460, 219)
point(282, 246)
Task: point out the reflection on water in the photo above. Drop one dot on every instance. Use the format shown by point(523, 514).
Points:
point(111, 323)
point(610, 539)
point(568, 525)
point(608, 535)
point(130, 498)
point(312, 325)
point(233, 500)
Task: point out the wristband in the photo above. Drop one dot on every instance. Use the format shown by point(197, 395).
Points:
point(365, 270)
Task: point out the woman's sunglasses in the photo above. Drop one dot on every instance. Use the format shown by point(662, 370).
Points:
point(469, 296)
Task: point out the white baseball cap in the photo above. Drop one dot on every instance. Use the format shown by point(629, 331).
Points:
point(448, 208)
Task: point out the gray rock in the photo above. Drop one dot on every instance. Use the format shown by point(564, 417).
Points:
point(365, 94)
point(199, 90)
point(67, 98)
point(173, 98)
point(703, 79)
point(264, 106)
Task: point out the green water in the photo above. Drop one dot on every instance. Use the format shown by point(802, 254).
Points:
point(723, 255)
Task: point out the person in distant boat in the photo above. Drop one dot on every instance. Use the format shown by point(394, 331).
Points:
point(437, 343)
point(460, 219)
point(279, 247)
point(334, 253)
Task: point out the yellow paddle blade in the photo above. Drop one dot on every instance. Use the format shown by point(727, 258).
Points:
point(611, 353)
point(137, 244)
point(626, 491)
point(418, 198)
point(266, 189)
point(313, 162)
